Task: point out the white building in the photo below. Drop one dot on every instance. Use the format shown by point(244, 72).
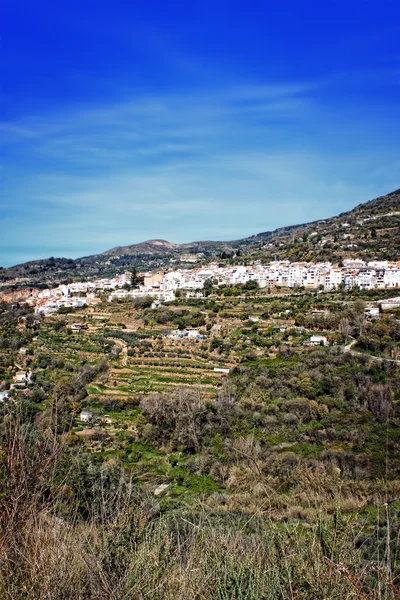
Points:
point(22, 377)
point(4, 396)
point(86, 416)
point(372, 312)
point(318, 340)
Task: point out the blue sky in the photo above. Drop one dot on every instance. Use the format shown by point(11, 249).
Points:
point(126, 121)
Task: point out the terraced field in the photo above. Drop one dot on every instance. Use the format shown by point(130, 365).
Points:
point(142, 358)
point(154, 364)
point(148, 373)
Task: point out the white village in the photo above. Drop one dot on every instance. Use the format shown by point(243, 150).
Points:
point(162, 286)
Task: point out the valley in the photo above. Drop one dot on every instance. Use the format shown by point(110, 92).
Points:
point(256, 403)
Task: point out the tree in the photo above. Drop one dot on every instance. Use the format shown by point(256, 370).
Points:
point(359, 315)
point(251, 285)
point(179, 418)
point(136, 281)
point(59, 325)
point(345, 328)
point(208, 287)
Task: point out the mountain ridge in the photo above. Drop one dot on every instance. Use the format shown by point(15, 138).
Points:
point(371, 229)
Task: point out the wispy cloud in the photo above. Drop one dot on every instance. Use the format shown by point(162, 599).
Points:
point(135, 116)
point(224, 162)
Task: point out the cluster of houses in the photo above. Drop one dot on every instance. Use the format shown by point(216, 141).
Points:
point(374, 274)
point(156, 294)
point(48, 302)
point(78, 294)
point(162, 286)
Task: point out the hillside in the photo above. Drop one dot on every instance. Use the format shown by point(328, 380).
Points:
point(168, 451)
point(370, 230)
point(242, 459)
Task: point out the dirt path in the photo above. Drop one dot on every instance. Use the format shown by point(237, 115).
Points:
point(124, 350)
point(349, 348)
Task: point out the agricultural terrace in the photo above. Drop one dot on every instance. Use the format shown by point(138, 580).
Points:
point(161, 408)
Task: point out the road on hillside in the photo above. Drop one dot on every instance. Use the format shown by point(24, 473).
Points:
point(349, 348)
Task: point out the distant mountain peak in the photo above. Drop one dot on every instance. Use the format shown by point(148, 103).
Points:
point(156, 246)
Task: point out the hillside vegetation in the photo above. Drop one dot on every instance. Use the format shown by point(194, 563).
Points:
point(279, 479)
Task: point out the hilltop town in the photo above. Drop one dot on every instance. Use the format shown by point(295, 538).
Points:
point(162, 286)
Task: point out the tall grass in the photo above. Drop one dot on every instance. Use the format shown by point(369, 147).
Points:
point(57, 560)
point(96, 537)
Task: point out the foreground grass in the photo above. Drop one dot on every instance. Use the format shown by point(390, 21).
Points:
point(73, 530)
point(189, 557)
